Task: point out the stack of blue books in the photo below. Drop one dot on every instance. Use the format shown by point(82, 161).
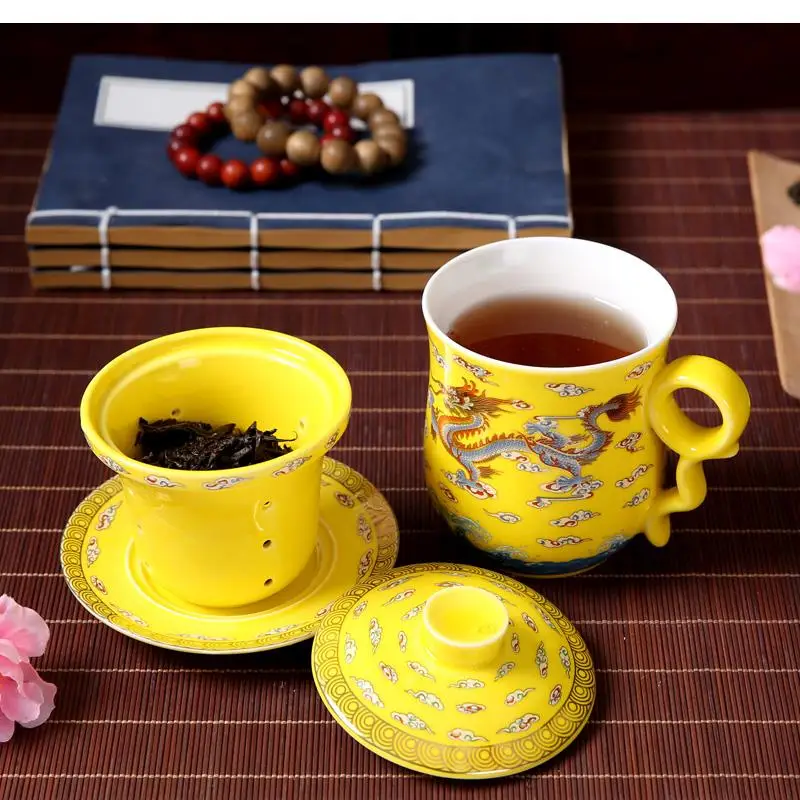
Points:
point(487, 160)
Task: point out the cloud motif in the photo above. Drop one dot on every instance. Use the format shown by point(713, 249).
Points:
point(626, 483)
point(562, 541)
point(389, 672)
point(364, 564)
point(402, 641)
point(504, 516)
point(400, 596)
point(428, 698)
point(369, 692)
point(350, 649)
point(513, 455)
point(411, 720)
point(364, 530)
point(468, 683)
point(412, 612)
point(291, 466)
point(470, 708)
point(574, 519)
point(539, 502)
point(638, 370)
point(394, 584)
point(521, 724)
point(92, 551)
point(528, 620)
point(223, 483)
point(375, 633)
point(541, 660)
point(107, 517)
point(563, 656)
point(521, 405)
point(162, 483)
point(345, 499)
point(481, 373)
point(517, 696)
point(415, 666)
point(528, 466)
point(359, 609)
point(567, 389)
point(630, 442)
point(555, 695)
point(464, 735)
point(504, 669)
point(637, 499)
point(515, 642)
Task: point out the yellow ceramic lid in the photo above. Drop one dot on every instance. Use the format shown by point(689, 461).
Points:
point(453, 671)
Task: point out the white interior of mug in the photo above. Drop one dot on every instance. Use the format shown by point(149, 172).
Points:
point(554, 267)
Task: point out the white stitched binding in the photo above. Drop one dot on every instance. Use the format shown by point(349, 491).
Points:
point(104, 218)
point(375, 256)
point(255, 283)
point(105, 256)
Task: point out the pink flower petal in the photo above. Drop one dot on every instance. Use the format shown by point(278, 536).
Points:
point(6, 728)
point(48, 693)
point(11, 669)
point(20, 703)
point(780, 250)
point(23, 627)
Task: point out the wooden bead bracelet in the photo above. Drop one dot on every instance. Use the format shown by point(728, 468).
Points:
point(255, 111)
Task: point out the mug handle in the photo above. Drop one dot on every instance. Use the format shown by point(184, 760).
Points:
point(692, 442)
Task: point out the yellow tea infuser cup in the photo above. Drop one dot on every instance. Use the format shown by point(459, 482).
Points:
point(551, 470)
point(221, 538)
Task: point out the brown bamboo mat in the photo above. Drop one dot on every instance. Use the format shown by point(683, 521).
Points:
point(697, 645)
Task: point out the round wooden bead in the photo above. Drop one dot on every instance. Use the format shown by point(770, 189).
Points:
point(394, 148)
point(286, 77)
point(242, 88)
point(314, 82)
point(246, 125)
point(369, 156)
point(365, 104)
point(337, 156)
point(261, 79)
point(389, 130)
point(342, 91)
point(303, 148)
point(382, 116)
point(271, 138)
point(239, 104)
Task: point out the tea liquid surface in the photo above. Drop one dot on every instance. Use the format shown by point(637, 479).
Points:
point(542, 331)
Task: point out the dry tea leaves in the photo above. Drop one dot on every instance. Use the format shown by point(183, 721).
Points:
point(183, 444)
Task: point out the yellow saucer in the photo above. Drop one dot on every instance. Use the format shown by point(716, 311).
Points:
point(475, 682)
point(358, 537)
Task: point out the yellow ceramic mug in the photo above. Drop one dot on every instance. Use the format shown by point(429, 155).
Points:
point(548, 470)
point(215, 538)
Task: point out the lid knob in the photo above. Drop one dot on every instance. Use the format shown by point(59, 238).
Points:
point(464, 626)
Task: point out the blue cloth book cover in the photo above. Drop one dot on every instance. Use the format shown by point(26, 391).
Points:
point(487, 159)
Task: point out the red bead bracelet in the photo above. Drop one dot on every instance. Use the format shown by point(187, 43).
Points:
point(258, 106)
point(187, 145)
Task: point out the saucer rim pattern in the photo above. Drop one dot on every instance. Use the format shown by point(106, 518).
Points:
point(78, 527)
point(459, 761)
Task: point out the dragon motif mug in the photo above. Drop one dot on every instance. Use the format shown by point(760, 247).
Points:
point(551, 470)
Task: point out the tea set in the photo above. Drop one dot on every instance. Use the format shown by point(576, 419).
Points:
point(453, 670)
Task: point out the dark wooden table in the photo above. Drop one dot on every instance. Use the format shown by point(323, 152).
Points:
point(697, 645)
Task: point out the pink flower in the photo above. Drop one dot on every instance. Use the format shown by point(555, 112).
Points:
point(780, 249)
point(24, 697)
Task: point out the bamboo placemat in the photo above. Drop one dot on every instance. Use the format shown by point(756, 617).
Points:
point(697, 645)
